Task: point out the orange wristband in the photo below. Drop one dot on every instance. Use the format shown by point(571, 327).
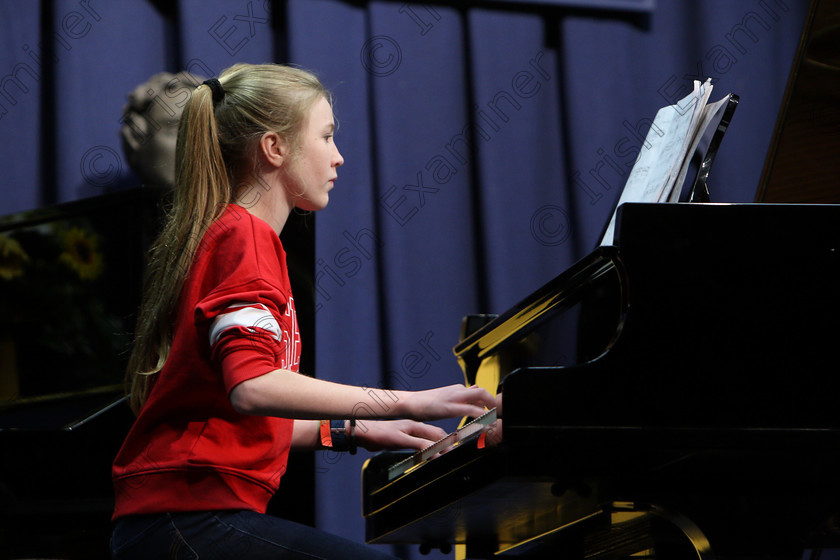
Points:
point(326, 436)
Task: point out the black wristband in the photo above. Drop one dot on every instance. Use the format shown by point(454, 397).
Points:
point(340, 441)
point(351, 436)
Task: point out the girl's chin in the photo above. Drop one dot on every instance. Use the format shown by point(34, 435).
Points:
point(310, 206)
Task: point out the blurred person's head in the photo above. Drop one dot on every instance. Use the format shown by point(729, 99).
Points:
point(150, 125)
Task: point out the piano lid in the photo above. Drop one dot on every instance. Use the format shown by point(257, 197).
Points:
point(802, 163)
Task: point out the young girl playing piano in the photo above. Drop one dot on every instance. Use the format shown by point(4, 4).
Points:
point(213, 372)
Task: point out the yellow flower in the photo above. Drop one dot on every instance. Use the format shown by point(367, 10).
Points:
point(80, 253)
point(12, 258)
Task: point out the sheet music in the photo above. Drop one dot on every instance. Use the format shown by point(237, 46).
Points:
point(709, 113)
point(660, 166)
point(690, 136)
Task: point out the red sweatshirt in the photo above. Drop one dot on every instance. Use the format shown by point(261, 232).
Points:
point(189, 450)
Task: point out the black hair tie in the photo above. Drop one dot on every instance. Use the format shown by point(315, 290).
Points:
point(217, 89)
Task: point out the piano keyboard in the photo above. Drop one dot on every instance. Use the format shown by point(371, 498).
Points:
point(465, 433)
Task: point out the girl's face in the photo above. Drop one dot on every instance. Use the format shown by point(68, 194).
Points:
point(314, 170)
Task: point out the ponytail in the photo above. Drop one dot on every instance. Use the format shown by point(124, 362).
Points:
point(202, 193)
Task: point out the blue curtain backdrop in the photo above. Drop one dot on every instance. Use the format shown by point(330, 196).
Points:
point(485, 142)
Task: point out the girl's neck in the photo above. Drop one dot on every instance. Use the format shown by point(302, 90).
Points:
point(267, 201)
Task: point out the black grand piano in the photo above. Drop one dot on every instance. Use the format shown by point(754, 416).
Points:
point(673, 395)
point(698, 413)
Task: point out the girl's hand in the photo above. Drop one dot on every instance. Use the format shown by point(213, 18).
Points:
point(376, 435)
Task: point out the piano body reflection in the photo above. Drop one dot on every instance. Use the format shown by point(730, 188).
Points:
point(672, 395)
point(68, 306)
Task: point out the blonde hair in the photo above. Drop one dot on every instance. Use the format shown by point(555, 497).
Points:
point(216, 152)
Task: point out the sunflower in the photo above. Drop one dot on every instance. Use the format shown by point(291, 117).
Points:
point(80, 253)
point(12, 258)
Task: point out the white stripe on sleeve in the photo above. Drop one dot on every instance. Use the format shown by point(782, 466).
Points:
point(250, 316)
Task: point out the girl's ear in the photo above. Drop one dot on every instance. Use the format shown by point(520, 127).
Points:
point(273, 149)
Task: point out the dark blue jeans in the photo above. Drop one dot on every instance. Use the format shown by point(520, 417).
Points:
point(228, 535)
